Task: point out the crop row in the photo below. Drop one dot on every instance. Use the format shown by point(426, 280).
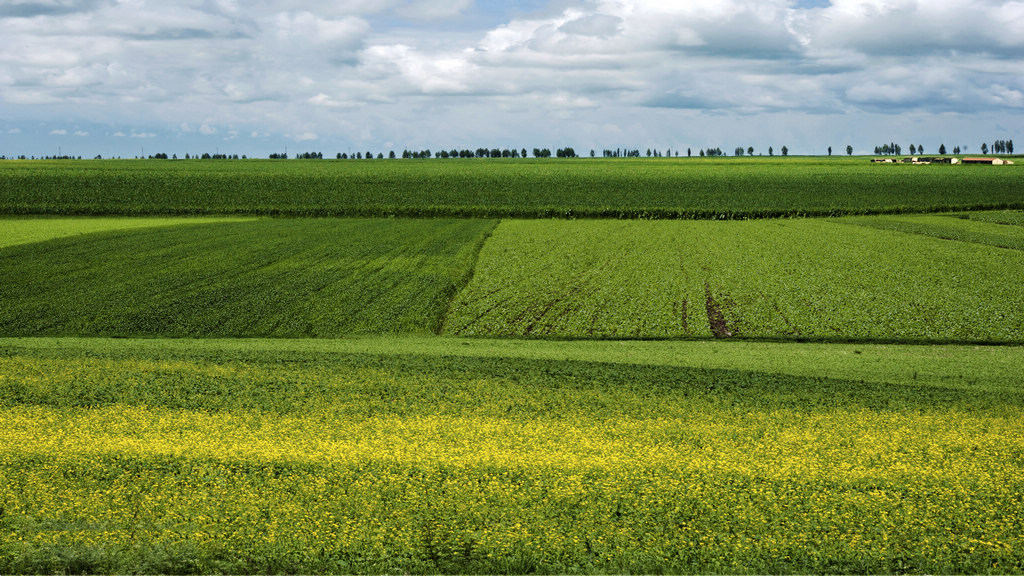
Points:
point(882, 278)
point(601, 188)
point(804, 279)
point(283, 278)
point(292, 462)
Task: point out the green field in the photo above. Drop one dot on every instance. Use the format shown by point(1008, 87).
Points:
point(796, 279)
point(441, 455)
point(271, 278)
point(595, 188)
point(188, 385)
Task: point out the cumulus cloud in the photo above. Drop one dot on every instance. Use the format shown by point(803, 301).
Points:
point(351, 70)
point(58, 132)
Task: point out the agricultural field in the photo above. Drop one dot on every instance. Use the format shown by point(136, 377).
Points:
point(595, 188)
point(270, 278)
point(446, 455)
point(884, 278)
point(195, 379)
point(28, 230)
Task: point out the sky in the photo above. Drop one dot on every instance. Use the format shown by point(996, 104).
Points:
point(124, 78)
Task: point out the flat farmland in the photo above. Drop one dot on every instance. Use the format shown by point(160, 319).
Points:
point(427, 455)
point(879, 278)
point(271, 278)
point(580, 366)
point(592, 188)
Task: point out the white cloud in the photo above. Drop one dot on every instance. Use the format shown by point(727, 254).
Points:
point(14, 131)
point(416, 68)
point(81, 133)
point(60, 132)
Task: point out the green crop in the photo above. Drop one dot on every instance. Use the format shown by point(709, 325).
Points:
point(357, 456)
point(602, 278)
point(795, 279)
point(593, 188)
point(290, 278)
point(978, 228)
point(15, 231)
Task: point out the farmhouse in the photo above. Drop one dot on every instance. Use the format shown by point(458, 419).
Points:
point(992, 161)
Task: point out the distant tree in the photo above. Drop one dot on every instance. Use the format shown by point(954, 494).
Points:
point(942, 148)
point(689, 153)
point(913, 150)
point(829, 150)
point(956, 149)
point(391, 155)
point(920, 148)
point(771, 151)
point(1009, 146)
point(750, 151)
point(592, 153)
point(785, 151)
point(701, 152)
point(738, 151)
point(984, 148)
point(849, 150)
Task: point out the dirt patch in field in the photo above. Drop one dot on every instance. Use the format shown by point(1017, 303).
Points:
point(715, 318)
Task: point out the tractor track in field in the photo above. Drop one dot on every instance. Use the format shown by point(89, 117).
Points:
point(719, 328)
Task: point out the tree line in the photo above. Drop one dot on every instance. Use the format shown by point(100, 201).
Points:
point(888, 149)
point(893, 149)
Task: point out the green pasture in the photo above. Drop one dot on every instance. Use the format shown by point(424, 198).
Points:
point(700, 188)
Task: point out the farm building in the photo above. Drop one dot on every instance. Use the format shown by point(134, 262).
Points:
point(918, 160)
point(992, 161)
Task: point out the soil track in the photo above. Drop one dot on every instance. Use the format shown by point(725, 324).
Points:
point(715, 318)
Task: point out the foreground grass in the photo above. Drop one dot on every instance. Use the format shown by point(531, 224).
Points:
point(446, 455)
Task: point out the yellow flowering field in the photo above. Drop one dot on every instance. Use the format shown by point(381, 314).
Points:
point(208, 457)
